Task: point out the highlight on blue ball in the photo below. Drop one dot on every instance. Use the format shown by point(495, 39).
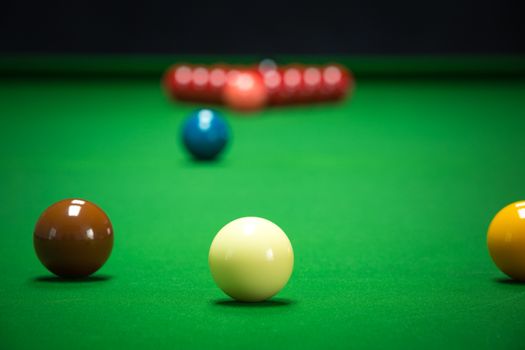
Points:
point(205, 134)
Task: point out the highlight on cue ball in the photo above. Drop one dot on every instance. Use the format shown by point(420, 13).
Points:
point(251, 259)
point(506, 240)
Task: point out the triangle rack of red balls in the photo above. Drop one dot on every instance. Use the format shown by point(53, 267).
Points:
point(283, 85)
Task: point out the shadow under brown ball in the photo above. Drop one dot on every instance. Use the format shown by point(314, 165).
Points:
point(73, 238)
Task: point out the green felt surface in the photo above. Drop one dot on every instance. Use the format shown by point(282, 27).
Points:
point(386, 199)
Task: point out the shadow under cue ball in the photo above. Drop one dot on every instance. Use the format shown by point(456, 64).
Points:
point(251, 259)
point(205, 134)
point(73, 238)
point(506, 240)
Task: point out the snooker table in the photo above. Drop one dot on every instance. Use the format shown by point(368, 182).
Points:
point(386, 198)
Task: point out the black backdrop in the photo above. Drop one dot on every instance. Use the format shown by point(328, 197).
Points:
point(263, 27)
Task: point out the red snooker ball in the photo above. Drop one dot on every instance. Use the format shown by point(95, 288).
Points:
point(245, 90)
point(218, 74)
point(177, 81)
point(312, 80)
point(336, 81)
point(273, 81)
point(292, 82)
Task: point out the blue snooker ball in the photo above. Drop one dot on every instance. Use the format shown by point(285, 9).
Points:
point(205, 134)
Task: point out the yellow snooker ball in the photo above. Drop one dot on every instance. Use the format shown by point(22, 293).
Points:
point(251, 259)
point(506, 240)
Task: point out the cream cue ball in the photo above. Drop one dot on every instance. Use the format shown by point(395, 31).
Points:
point(251, 259)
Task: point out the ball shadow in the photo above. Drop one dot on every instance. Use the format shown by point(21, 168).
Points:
point(277, 302)
point(214, 160)
point(509, 281)
point(56, 279)
point(204, 163)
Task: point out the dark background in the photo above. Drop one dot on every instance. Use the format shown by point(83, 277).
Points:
point(263, 27)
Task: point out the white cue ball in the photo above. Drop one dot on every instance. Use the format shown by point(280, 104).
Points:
point(251, 259)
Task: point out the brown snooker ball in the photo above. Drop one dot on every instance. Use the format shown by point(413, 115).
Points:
point(73, 238)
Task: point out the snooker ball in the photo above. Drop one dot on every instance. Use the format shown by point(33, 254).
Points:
point(506, 240)
point(205, 134)
point(73, 238)
point(245, 91)
point(251, 259)
point(266, 65)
